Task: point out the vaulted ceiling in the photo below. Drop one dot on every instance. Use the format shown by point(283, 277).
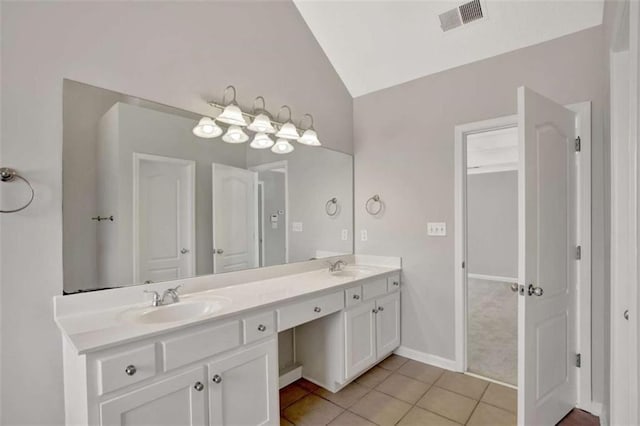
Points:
point(378, 44)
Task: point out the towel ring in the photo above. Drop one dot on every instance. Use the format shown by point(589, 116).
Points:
point(9, 175)
point(372, 201)
point(332, 202)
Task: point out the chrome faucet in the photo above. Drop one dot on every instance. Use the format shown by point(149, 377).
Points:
point(337, 265)
point(160, 301)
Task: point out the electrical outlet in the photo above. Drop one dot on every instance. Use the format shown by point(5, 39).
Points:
point(437, 229)
point(296, 226)
point(363, 235)
point(345, 234)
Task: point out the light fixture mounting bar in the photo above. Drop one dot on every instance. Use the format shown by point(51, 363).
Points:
point(248, 114)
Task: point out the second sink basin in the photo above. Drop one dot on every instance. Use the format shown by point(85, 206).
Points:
point(180, 311)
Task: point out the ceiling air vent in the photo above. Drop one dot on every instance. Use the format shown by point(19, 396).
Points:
point(471, 11)
point(467, 13)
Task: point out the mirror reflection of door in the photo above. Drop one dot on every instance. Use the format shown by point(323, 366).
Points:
point(273, 216)
point(164, 206)
point(235, 218)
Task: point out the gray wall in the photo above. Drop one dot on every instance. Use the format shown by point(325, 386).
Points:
point(492, 224)
point(406, 154)
point(274, 201)
point(168, 52)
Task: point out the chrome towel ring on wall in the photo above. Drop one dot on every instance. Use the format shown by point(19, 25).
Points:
point(9, 175)
point(373, 206)
point(332, 207)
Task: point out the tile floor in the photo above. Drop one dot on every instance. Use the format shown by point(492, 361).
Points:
point(403, 392)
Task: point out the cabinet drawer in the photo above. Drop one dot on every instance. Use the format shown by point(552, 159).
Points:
point(374, 288)
point(126, 368)
point(353, 295)
point(190, 347)
point(299, 313)
point(258, 327)
point(393, 282)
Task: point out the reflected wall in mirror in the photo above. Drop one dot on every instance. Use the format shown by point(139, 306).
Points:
point(145, 200)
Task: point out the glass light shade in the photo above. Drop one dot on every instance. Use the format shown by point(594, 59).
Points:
point(261, 124)
point(235, 135)
point(261, 141)
point(232, 115)
point(207, 128)
point(288, 131)
point(282, 146)
point(309, 137)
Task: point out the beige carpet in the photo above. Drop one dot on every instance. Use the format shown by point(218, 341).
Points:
point(492, 339)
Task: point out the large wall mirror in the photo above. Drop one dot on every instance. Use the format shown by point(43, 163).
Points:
point(144, 200)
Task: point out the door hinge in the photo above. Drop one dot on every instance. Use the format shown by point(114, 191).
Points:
point(578, 144)
point(578, 360)
point(579, 252)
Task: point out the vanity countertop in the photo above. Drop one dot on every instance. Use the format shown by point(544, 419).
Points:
point(103, 328)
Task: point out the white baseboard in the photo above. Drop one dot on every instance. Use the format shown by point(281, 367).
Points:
point(493, 278)
point(447, 364)
point(289, 376)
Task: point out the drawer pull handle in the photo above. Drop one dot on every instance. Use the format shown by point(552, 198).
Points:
point(130, 370)
point(217, 379)
point(198, 386)
point(381, 308)
point(356, 296)
point(262, 327)
point(317, 309)
point(396, 283)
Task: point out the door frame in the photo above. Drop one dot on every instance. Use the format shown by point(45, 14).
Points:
point(282, 164)
point(138, 158)
point(583, 305)
point(261, 223)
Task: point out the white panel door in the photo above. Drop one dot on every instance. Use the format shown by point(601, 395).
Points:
point(244, 387)
point(179, 400)
point(235, 219)
point(165, 208)
point(387, 324)
point(360, 338)
point(547, 230)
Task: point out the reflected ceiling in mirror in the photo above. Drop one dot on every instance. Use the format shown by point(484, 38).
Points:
point(146, 200)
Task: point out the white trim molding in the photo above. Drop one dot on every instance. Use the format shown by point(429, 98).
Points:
point(435, 360)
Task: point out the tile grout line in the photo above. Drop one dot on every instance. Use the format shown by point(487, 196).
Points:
point(477, 404)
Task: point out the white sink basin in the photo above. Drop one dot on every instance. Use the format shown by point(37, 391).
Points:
point(354, 271)
point(175, 312)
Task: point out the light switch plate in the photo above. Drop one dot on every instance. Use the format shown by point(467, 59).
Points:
point(363, 235)
point(296, 226)
point(345, 234)
point(437, 229)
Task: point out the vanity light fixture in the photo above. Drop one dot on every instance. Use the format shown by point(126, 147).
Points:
point(282, 146)
point(288, 129)
point(309, 137)
point(232, 114)
point(261, 122)
point(261, 141)
point(207, 128)
point(235, 135)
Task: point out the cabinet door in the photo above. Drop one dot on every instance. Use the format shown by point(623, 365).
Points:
point(360, 344)
point(172, 401)
point(388, 324)
point(243, 387)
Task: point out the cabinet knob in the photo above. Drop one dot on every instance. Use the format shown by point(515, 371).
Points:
point(262, 327)
point(198, 386)
point(356, 296)
point(317, 309)
point(130, 370)
point(217, 379)
point(381, 308)
point(396, 283)
point(375, 311)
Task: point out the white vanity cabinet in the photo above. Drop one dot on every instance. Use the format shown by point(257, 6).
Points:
point(338, 348)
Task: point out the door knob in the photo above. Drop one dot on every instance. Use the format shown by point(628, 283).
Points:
point(514, 287)
point(533, 290)
point(198, 386)
point(217, 379)
point(184, 251)
point(218, 251)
